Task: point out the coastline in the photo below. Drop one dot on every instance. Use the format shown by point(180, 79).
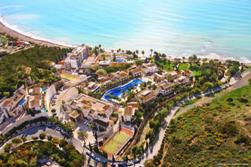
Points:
point(15, 33)
point(5, 28)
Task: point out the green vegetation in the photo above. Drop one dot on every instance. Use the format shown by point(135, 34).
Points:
point(3, 39)
point(27, 155)
point(101, 72)
point(166, 65)
point(117, 67)
point(184, 66)
point(214, 134)
point(32, 65)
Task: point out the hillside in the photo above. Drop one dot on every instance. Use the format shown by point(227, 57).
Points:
point(215, 134)
point(30, 64)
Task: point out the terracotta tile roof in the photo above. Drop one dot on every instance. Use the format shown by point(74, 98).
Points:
point(128, 111)
point(133, 104)
point(36, 90)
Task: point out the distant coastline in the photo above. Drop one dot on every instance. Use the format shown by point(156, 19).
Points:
point(5, 28)
point(8, 29)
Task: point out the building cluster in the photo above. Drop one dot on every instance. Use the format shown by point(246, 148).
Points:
point(96, 111)
point(13, 106)
point(25, 99)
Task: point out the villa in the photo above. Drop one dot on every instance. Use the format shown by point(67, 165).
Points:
point(93, 109)
point(3, 115)
point(146, 96)
point(159, 77)
point(35, 99)
point(166, 88)
point(149, 69)
point(135, 71)
point(14, 105)
point(130, 110)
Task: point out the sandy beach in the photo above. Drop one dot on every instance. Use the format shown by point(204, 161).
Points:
point(15, 34)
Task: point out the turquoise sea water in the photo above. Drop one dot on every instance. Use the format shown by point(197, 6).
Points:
point(177, 27)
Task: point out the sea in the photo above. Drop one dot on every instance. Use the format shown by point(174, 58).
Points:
point(214, 28)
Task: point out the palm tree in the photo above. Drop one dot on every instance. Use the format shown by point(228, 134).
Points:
point(143, 52)
point(151, 50)
point(82, 135)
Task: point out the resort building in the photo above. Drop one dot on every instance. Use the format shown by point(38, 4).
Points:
point(147, 96)
point(35, 99)
point(159, 77)
point(120, 75)
point(3, 115)
point(149, 69)
point(93, 109)
point(130, 110)
point(14, 105)
point(166, 88)
point(50, 92)
point(135, 71)
point(75, 59)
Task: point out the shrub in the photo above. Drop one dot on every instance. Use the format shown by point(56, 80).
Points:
point(49, 138)
point(229, 128)
point(241, 139)
point(7, 147)
point(42, 136)
point(16, 141)
point(243, 100)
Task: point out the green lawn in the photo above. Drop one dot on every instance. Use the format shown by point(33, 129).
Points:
point(165, 65)
point(197, 73)
point(113, 145)
point(184, 66)
point(69, 77)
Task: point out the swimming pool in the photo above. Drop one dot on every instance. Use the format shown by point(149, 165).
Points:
point(120, 60)
point(120, 90)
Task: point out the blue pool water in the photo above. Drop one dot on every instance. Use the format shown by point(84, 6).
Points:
point(22, 102)
point(120, 59)
point(120, 90)
point(177, 27)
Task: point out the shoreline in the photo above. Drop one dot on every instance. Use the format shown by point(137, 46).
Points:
point(6, 28)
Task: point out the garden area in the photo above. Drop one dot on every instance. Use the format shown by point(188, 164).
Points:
point(70, 77)
point(30, 154)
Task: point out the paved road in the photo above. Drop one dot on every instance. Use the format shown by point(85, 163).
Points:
point(35, 131)
point(235, 84)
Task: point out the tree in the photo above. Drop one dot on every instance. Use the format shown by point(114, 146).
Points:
point(101, 72)
point(42, 136)
point(82, 135)
point(7, 147)
point(16, 141)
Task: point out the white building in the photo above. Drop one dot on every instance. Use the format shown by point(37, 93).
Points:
point(130, 110)
point(50, 92)
point(93, 109)
point(75, 59)
point(14, 105)
point(3, 115)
